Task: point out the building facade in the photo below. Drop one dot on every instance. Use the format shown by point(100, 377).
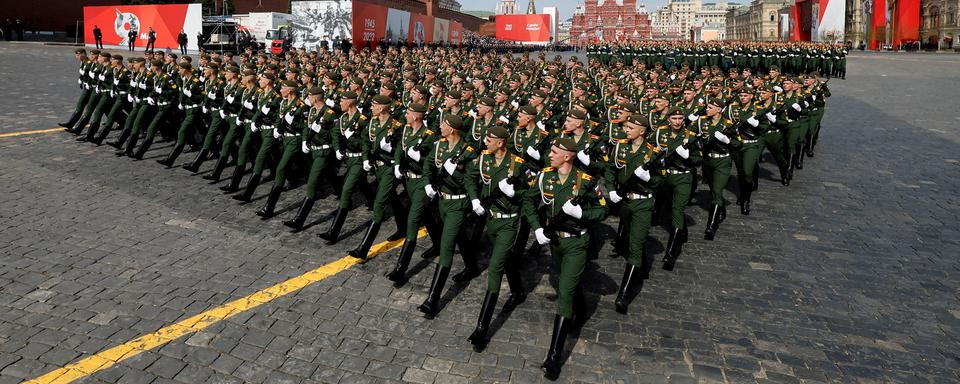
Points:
point(759, 21)
point(939, 27)
point(678, 18)
point(609, 20)
point(507, 7)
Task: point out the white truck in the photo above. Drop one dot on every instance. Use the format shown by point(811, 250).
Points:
point(259, 23)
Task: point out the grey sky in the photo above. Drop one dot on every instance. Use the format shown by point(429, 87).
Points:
point(565, 6)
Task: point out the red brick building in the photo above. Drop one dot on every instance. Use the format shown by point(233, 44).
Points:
point(609, 20)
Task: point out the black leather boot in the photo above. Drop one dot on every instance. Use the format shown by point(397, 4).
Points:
point(234, 180)
point(172, 157)
point(248, 191)
point(72, 120)
point(143, 149)
point(469, 255)
point(710, 230)
point(77, 128)
point(517, 294)
point(333, 234)
point(785, 173)
point(799, 159)
point(479, 337)
point(431, 305)
point(669, 261)
point(194, 166)
point(399, 273)
point(400, 216)
point(620, 243)
point(364, 247)
point(266, 211)
point(297, 223)
point(217, 170)
point(551, 365)
point(629, 273)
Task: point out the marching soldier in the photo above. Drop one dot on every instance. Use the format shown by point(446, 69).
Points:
point(239, 110)
point(316, 143)
point(680, 157)
point(120, 76)
point(218, 94)
point(347, 139)
point(190, 98)
point(718, 139)
point(159, 97)
point(81, 55)
point(264, 103)
point(289, 124)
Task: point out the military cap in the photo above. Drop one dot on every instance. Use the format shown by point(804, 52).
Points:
point(139, 60)
point(639, 119)
point(768, 88)
point(233, 69)
point(515, 78)
point(293, 70)
point(431, 71)
point(117, 57)
point(498, 132)
point(674, 112)
point(541, 94)
point(439, 84)
point(717, 101)
point(469, 87)
point(775, 68)
point(583, 86)
point(214, 66)
point(79, 50)
point(487, 101)
point(615, 82)
point(747, 89)
point(631, 107)
point(346, 95)
point(418, 107)
point(156, 63)
point(95, 52)
point(552, 73)
point(529, 109)
point(356, 80)
point(319, 91)
point(172, 55)
point(185, 66)
point(390, 86)
point(132, 60)
point(105, 54)
point(382, 100)
point(480, 77)
point(310, 74)
point(454, 121)
point(273, 67)
point(814, 74)
point(577, 114)
point(456, 95)
point(333, 76)
point(504, 90)
point(566, 144)
point(423, 89)
point(248, 72)
point(290, 83)
point(585, 103)
point(269, 76)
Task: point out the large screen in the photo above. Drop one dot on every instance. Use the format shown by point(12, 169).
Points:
point(167, 21)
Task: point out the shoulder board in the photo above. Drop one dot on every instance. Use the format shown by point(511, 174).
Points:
point(585, 176)
point(396, 123)
point(299, 103)
point(592, 136)
point(485, 152)
point(703, 117)
point(623, 141)
point(329, 111)
point(727, 121)
point(363, 117)
point(548, 169)
point(470, 149)
point(195, 80)
point(517, 159)
point(594, 123)
point(428, 132)
point(442, 140)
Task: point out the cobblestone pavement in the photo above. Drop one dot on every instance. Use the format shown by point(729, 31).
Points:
point(848, 275)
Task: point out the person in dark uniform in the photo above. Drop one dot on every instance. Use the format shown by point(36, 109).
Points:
point(151, 39)
point(98, 36)
point(182, 40)
point(131, 39)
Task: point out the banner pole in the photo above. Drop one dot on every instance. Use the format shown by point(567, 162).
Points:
point(76, 32)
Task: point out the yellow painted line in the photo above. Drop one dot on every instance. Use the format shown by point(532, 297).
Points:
point(12, 134)
point(107, 358)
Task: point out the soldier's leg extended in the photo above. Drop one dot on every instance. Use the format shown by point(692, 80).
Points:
point(452, 214)
point(78, 109)
point(801, 144)
point(747, 173)
point(139, 124)
point(637, 215)
point(88, 110)
point(570, 254)
point(96, 135)
point(502, 233)
point(127, 128)
point(236, 130)
point(773, 142)
point(266, 145)
point(416, 215)
point(354, 172)
point(320, 160)
point(719, 170)
point(216, 125)
point(291, 148)
point(189, 118)
point(385, 191)
point(152, 131)
point(103, 106)
point(680, 186)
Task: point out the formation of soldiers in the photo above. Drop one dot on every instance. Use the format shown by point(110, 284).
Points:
point(791, 57)
point(467, 143)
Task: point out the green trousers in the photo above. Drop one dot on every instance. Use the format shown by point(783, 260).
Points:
point(773, 142)
point(716, 172)
point(452, 215)
point(82, 101)
point(321, 157)
point(813, 128)
point(747, 158)
point(92, 102)
point(155, 124)
point(637, 216)
point(353, 176)
point(229, 138)
point(418, 206)
point(216, 124)
point(385, 188)
point(100, 109)
point(118, 106)
point(143, 114)
point(678, 187)
point(795, 135)
point(503, 235)
point(266, 145)
point(290, 147)
point(190, 116)
point(570, 255)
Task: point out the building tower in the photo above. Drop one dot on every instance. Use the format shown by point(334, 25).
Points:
point(531, 8)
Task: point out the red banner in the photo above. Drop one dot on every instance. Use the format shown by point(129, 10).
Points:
point(167, 21)
point(906, 22)
point(456, 34)
point(878, 27)
point(421, 28)
point(527, 28)
point(369, 23)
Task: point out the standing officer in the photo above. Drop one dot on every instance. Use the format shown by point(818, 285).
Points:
point(629, 180)
point(182, 40)
point(499, 179)
point(566, 200)
point(347, 141)
point(131, 39)
point(316, 144)
point(445, 172)
point(98, 36)
point(151, 39)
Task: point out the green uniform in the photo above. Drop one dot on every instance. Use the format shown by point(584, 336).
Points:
point(678, 179)
point(716, 154)
point(377, 137)
point(289, 126)
point(347, 140)
point(451, 188)
point(317, 143)
point(636, 206)
point(121, 101)
point(409, 160)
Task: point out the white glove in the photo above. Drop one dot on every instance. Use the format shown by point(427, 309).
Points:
point(211, 95)
point(506, 188)
point(276, 133)
point(771, 117)
point(504, 119)
point(431, 193)
point(238, 120)
point(180, 107)
point(806, 104)
point(338, 155)
point(615, 197)
point(515, 104)
point(205, 109)
point(366, 165)
point(777, 88)
point(753, 121)
point(693, 117)
point(583, 157)
point(477, 207)
point(396, 172)
point(222, 114)
point(247, 105)
point(329, 103)
point(796, 107)
point(265, 109)
point(541, 125)
point(288, 118)
point(542, 238)
point(151, 101)
point(642, 173)
point(385, 145)
point(720, 136)
point(573, 210)
point(533, 153)
point(308, 102)
point(230, 99)
point(253, 127)
point(814, 97)
point(472, 114)
point(348, 133)
point(413, 153)
point(449, 166)
point(130, 98)
point(187, 93)
point(304, 148)
point(683, 152)
point(315, 127)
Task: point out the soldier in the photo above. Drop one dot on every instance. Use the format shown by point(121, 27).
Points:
point(261, 125)
point(137, 97)
point(795, 121)
point(558, 208)
point(240, 111)
point(680, 156)
point(498, 179)
point(159, 97)
point(81, 55)
point(445, 169)
point(95, 70)
point(718, 138)
point(191, 96)
point(820, 92)
point(289, 124)
point(316, 143)
point(121, 95)
point(221, 102)
point(771, 128)
point(347, 142)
